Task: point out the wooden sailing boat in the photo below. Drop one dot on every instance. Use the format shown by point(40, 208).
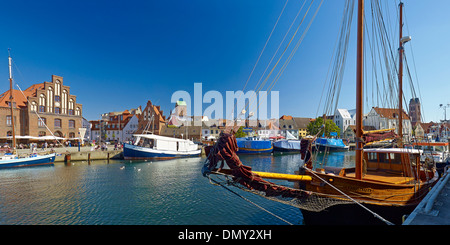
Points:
point(11, 160)
point(384, 185)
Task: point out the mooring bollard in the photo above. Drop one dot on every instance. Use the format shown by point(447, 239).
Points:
point(89, 158)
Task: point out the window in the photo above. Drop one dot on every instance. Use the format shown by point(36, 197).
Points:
point(57, 98)
point(41, 133)
point(71, 135)
point(8, 121)
point(33, 106)
point(41, 122)
point(57, 123)
point(57, 110)
point(41, 108)
point(70, 111)
point(71, 124)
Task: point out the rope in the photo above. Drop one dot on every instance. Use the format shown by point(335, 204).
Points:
point(245, 199)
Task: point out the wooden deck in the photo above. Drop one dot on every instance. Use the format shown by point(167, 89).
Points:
point(385, 177)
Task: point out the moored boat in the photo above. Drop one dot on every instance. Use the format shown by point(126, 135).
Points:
point(330, 144)
point(149, 146)
point(254, 145)
point(11, 160)
point(290, 146)
point(434, 152)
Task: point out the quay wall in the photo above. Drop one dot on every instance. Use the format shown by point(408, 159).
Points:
point(85, 153)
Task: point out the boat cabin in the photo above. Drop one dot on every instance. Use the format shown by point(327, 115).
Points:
point(164, 143)
point(387, 165)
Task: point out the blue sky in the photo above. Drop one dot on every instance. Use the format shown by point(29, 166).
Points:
point(116, 55)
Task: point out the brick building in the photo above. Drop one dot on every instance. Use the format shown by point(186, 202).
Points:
point(151, 120)
point(53, 102)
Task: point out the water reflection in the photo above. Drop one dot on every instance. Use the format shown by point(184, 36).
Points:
point(139, 192)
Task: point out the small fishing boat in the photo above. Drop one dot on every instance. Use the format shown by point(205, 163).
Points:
point(437, 152)
point(330, 144)
point(290, 146)
point(12, 160)
point(254, 145)
point(149, 146)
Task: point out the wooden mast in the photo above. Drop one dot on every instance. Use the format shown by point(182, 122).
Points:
point(11, 103)
point(359, 91)
point(400, 80)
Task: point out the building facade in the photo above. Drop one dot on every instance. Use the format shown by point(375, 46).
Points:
point(40, 108)
point(151, 120)
point(385, 118)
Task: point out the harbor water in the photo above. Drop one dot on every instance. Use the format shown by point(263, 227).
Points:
point(120, 192)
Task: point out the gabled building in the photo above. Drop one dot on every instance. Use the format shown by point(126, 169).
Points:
point(52, 101)
point(151, 119)
point(385, 118)
point(344, 118)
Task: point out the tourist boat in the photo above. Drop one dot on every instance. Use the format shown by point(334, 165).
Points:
point(385, 185)
point(437, 152)
point(12, 160)
point(149, 146)
point(330, 144)
point(254, 145)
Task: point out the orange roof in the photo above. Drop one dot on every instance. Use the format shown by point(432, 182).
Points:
point(33, 88)
point(431, 143)
point(21, 101)
point(390, 113)
point(286, 117)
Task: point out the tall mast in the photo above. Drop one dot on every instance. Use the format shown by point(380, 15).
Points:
point(400, 80)
point(11, 103)
point(359, 91)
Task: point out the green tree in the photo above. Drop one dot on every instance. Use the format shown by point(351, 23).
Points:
point(240, 133)
point(315, 126)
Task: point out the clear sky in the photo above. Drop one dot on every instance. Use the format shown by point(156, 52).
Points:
point(116, 55)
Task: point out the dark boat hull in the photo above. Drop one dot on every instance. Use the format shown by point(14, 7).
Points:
point(353, 214)
point(287, 150)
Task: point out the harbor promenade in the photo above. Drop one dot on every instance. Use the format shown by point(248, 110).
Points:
point(435, 207)
point(85, 153)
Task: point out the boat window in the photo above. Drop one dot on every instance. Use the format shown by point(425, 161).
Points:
point(395, 158)
point(372, 156)
point(382, 157)
point(439, 148)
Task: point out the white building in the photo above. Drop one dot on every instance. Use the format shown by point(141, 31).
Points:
point(385, 118)
point(344, 118)
point(129, 129)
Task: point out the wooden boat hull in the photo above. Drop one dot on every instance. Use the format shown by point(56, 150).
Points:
point(389, 200)
point(353, 214)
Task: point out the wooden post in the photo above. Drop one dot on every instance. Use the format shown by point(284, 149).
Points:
point(89, 158)
point(67, 158)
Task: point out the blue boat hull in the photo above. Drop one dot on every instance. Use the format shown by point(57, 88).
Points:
point(132, 152)
point(254, 146)
point(28, 162)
